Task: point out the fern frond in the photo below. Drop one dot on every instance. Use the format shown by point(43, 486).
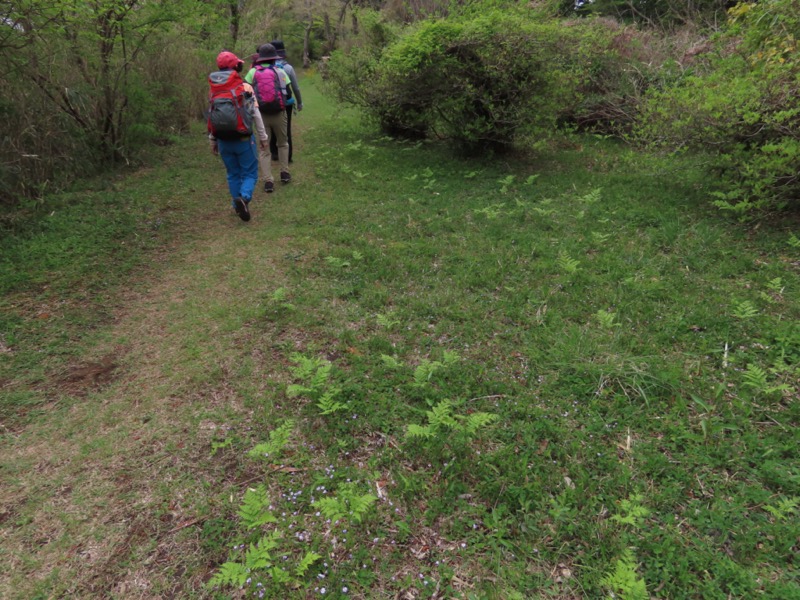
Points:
point(606, 319)
point(624, 580)
point(414, 431)
point(567, 263)
point(592, 197)
point(477, 421)
point(755, 377)
point(230, 573)
point(321, 375)
point(633, 513)
point(309, 559)
point(333, 508)
point(254, 511)
point(294, 390)
point(278, 439)
point(359, 505)
point(450, 358)
point(776, 285)
point(328, 404)
point(745, 310)
point(257, 557)
point(386, 321)
point(280, 576)
point(784, 509)
point(390, 361)
point(424, 372)
point(336, 262)
point(441, 415)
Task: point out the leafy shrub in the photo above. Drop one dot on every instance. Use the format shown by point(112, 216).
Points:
point(745, 111)
point(479, 81)
point(495, 79)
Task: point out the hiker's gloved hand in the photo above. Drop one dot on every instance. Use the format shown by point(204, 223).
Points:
point(299, 107)
point(214, 148)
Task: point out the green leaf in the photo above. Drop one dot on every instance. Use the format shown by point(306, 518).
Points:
point(309, 559)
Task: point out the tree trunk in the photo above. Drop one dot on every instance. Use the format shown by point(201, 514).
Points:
point(307, 45)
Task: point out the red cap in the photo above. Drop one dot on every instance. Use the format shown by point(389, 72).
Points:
point(228, 60)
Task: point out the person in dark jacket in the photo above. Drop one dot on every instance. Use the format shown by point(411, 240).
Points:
point(295, 100)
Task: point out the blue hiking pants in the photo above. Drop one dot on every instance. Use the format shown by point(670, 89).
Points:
point(241, 162)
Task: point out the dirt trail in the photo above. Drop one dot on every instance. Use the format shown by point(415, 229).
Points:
point(107, 495)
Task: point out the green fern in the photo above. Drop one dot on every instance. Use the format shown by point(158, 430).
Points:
point(388, 322)
point(491, 212)
point(633, 513)
point(232, 574)
point(441, 416)
point(255, 511)
point(567, 263)
point(776, 285)
point(258, 555)
point(794, 241)
point(785, 508)
point(390, 361)
point(424, 372)
point(334, 261)
point(505, 182)
point(755, 377)
point(328, 404)
point(624, 582)
point(346, 504)
point(744, 310)
point(600, 238)
point(305, 366)
point(477, 421)
point(442, 420)
point(592, 197)
point(413, 431)
point(449, 358)
point(278, 439)
point(531, 179)
point(315, 371)
point(309, 559)
point(606, 319)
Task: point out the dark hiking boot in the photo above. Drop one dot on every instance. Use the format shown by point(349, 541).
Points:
point(269, 187)
point(241, 209)
point(285, 177)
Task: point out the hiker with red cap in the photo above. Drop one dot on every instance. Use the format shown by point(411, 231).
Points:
point(233, 116)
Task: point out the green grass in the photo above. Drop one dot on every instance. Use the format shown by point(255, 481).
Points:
point(554, 376)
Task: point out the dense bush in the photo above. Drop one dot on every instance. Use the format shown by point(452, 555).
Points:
point(495, 79)
point(744, 111)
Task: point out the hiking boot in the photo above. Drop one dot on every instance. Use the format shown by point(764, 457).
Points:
point(285, 177)
point(241, 209)
point(269, 187)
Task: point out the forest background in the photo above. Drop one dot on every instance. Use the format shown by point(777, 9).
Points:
point(493, 341)
point(94, 85)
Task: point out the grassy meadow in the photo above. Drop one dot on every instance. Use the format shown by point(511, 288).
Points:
point(411, 375)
